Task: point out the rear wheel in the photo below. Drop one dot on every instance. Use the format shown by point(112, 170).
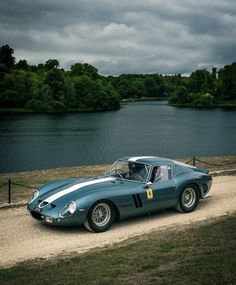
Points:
point(188, 199)
point(100, 217)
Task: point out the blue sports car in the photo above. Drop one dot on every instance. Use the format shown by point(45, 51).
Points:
point(132, 186)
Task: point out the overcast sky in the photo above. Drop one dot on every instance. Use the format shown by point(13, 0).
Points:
point(117, 36)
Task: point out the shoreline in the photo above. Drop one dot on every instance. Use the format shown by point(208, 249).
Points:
point(215, 163)
point(223, 105)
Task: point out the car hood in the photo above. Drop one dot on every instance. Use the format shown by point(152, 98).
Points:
point(70, 189)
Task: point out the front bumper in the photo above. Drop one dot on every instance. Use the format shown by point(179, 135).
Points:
point(76, 219)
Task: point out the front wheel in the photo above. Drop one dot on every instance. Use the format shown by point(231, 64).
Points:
point(100, 217)
point(188, 199)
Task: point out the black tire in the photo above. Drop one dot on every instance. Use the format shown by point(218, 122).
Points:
point(188, 199)
point(100, 217)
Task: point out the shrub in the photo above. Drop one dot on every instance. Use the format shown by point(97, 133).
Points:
point(201, 99)
point(57, 106)
point(37, 106)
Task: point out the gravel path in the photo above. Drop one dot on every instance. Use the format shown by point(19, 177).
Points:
point(22, 238)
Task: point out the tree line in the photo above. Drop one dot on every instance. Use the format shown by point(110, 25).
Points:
point(48, 88)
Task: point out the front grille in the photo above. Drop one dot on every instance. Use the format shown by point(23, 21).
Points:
point(36, 215)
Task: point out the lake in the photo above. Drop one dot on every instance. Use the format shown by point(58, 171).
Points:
point(40, 141)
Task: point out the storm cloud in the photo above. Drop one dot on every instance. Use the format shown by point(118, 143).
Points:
point(117, 37)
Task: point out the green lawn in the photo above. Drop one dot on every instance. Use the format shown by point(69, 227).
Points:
point(199, 254)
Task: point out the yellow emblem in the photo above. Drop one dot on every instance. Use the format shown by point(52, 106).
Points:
point(149, 194)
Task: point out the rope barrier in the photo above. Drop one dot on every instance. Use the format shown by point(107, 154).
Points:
point(189, 161)
point(214, 164)
point(21, 185)
point(3, 185)
point(193, 160)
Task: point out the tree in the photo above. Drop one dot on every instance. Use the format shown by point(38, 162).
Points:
point(201, 99)
point(151, 87)
point(9, 97)
point(138, 88)
point(180, 96)
point(55, 80)
point(51, 64)
point(79, 69)
point(202, 81)
point(92, 95)
point(123, 87)
point(227, 82)
point(214, 73)
point(22, 64)
point(6, 57)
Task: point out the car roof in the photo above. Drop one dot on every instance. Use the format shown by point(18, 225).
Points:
point(152, 160)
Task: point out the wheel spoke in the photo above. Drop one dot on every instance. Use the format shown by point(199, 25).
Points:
point(101, 214)
point(189, 197)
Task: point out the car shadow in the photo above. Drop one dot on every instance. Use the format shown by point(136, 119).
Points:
point(139, 219)
point(144, 218)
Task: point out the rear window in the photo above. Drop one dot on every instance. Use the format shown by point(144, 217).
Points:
point(161, 173)
point(180, 169)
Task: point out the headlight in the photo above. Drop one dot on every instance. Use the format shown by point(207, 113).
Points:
point(68, 210)
point(34, 195)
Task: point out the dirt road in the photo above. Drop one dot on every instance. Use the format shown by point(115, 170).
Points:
point(22, 238)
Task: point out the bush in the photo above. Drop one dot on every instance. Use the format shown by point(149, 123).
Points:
point(10, 99)
point(41, 106)
point(180, 96)
point(37, 106)
point(57, 106)
point(201, 99)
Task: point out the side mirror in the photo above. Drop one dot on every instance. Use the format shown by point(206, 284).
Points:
point(149, 184)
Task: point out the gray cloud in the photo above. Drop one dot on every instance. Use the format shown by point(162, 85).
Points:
point(117, 37)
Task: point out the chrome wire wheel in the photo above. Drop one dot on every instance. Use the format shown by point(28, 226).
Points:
point(101, 214)
point(188, 197)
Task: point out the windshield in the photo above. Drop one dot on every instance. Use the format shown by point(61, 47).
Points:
point(129, 170)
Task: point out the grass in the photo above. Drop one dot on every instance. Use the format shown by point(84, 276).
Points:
point(200, 254)
point(36, 178)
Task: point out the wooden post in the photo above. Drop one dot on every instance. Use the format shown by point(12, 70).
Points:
point(9, 191)
point(194, 161)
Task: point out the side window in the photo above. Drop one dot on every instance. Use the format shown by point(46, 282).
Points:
point(161, 173)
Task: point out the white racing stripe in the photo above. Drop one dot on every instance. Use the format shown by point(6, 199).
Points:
point(140, 157)
point(76, 187)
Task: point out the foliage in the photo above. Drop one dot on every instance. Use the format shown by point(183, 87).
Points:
point(82, 88)
point(51, 64)
point(227, 82)
point(201, 99)
point(37, 106)
point(201, 81)
point(136, 86)
point(47, 88)
point(6, 57)
point(180, 96)
point(206, 89)
point(93, 95)
point(79, 69)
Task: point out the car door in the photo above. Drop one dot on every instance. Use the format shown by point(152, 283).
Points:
point(161, 193)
